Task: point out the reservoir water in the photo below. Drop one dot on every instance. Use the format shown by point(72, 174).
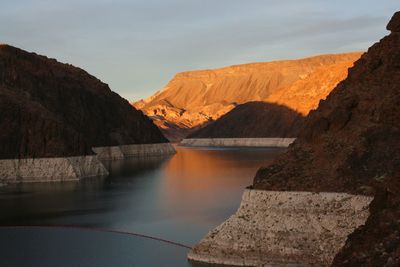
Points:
point(179, 198)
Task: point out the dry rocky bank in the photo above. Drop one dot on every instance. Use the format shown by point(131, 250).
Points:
point(349, 145)
point(237, 142)
point(52, 115)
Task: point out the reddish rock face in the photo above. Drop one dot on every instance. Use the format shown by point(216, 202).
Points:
point(281, 113)
point(50, 109)
point(194, 99)
point(351, 144)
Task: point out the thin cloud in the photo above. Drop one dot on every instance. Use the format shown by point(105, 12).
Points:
point(137, 46)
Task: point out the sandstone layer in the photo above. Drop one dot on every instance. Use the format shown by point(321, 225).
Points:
point(284, 229)
point(193, 99)
point(238, 142)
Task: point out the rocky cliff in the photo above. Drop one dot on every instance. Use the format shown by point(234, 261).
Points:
point(351, 144)
point(193, 99)
point(50, 109)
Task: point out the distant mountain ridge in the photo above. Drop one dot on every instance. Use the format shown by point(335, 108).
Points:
point(193, 99)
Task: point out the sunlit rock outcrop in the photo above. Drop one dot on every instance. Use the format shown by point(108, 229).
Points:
point(193, 99)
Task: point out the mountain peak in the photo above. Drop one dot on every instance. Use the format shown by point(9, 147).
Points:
point(7, 46)
point(394, 23)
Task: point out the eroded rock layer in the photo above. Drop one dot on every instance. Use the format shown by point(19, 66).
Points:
point(284, 229)
point(50, 169)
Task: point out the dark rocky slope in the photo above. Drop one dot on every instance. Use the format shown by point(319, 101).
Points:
point(50, 109)
point(351, 143)
point(254, 119)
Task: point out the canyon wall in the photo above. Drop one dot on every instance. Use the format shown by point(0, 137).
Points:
point(193, 99)
point(51, 109)
point(52, 113)
point(348, 145)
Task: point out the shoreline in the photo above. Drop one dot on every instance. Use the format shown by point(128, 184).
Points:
point(135, 150)
point(50, 169)
point(237, 142)
point(282, 228)
point(58, 169)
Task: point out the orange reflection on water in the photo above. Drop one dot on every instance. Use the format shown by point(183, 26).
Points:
point(207, 179)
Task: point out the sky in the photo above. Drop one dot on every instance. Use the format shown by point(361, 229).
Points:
point(137, 46)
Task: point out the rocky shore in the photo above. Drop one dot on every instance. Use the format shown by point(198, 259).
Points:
point(50, 169)
point(238, 142)
point(274, 228)
point(75, 168)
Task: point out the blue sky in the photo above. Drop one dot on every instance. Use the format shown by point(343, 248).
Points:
point(136, 46)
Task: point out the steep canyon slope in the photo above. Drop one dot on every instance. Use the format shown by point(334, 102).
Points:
point(351, 144)
point(50, 109)
point(193, 99)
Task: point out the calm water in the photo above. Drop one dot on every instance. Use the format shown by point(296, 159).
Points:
point(179, 198)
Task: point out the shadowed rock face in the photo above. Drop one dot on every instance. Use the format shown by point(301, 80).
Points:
point(50, 109)
point(254, 119)
point(193, 99)
point(351, 144)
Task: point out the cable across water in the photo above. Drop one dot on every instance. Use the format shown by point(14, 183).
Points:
point(96, 229)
